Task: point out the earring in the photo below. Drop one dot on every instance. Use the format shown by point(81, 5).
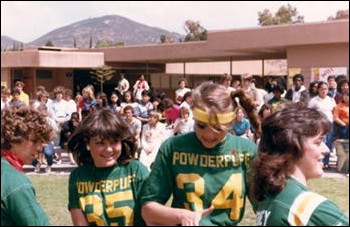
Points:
point(87, 147)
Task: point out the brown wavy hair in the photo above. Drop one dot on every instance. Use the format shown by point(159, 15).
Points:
point(24, 123)
point(282, 144)
point(108, 126)
point(214, 98)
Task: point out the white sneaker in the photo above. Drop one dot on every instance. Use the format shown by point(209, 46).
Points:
point(37, 168)
point(48, 169)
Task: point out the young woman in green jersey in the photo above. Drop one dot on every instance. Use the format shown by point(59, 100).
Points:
point(23, 132)
point(291, 150)
point(205, 170)
point(104, 189)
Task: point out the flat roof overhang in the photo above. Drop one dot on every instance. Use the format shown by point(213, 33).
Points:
point(270, 42)
point(51, 59)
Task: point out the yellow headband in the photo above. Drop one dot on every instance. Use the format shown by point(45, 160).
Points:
point(203, 116)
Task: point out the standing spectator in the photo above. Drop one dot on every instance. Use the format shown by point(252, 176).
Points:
point(236, 84)
point(86, 102)
point(22, 95)
point(277, 102)
point(265, 111)
point(341, 117)
point(249, 88)
point(187, 102)
point(15, 101)
point(205, 190)
point(325, 104)
point(226, 80)
point(181, 91)
point(115, 103)
point(23, 132)
point(5, 97)
point(140, 85)
point(341, 120)
point(290, 152)
point(71, 104)
point(332, 86)
point(298, 93)
point(104, 188)
point(313, 87)
point(259, 94)
point(123, 84)
point(342, 86)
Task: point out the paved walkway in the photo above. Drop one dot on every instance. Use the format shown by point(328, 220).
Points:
point(64, 168)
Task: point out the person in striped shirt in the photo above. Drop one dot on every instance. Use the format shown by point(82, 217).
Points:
point(290, 152)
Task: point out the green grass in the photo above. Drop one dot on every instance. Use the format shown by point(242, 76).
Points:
point(52, 193)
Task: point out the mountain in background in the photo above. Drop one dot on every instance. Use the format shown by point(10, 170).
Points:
point(9, 43)
point(110, 28)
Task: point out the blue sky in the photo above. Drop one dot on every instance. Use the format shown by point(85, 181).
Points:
point(26, 21)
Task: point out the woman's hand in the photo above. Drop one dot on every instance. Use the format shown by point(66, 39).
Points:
point(192, 218)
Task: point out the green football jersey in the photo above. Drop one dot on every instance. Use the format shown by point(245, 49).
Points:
point(108, 196)
point(295, 206)
point(198, 177)
point(19, 205)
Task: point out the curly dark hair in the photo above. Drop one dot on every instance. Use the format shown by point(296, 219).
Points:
point(108, 126)
point(282, 144)
point(24, 123)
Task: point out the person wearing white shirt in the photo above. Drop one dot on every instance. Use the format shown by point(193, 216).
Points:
point(153, 135)
point(181, 91)
point(123, 84)
point(71, 104)
point(325, 104)
point(5, 97)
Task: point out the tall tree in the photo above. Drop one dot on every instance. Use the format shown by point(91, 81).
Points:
point(166, 39)
point(284, 15)
point(341, 14)
point(103, 74)
point(75, 43)
point(49, 43)
point(195, 31)
point(90, 44)
point(108, 43)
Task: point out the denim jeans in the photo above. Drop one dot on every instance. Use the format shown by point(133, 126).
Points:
point(48, 151)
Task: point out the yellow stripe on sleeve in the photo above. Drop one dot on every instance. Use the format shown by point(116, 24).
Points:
point(303, 207)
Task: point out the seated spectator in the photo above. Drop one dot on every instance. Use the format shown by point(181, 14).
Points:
point(143, 109)
point(241, 125)
point(153, 134)
point(184, 123)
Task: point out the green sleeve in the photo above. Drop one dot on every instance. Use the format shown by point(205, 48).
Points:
point(328, 214)
point(159, 185)
point(24, 208)
point(73, 198)
point(142, 174)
